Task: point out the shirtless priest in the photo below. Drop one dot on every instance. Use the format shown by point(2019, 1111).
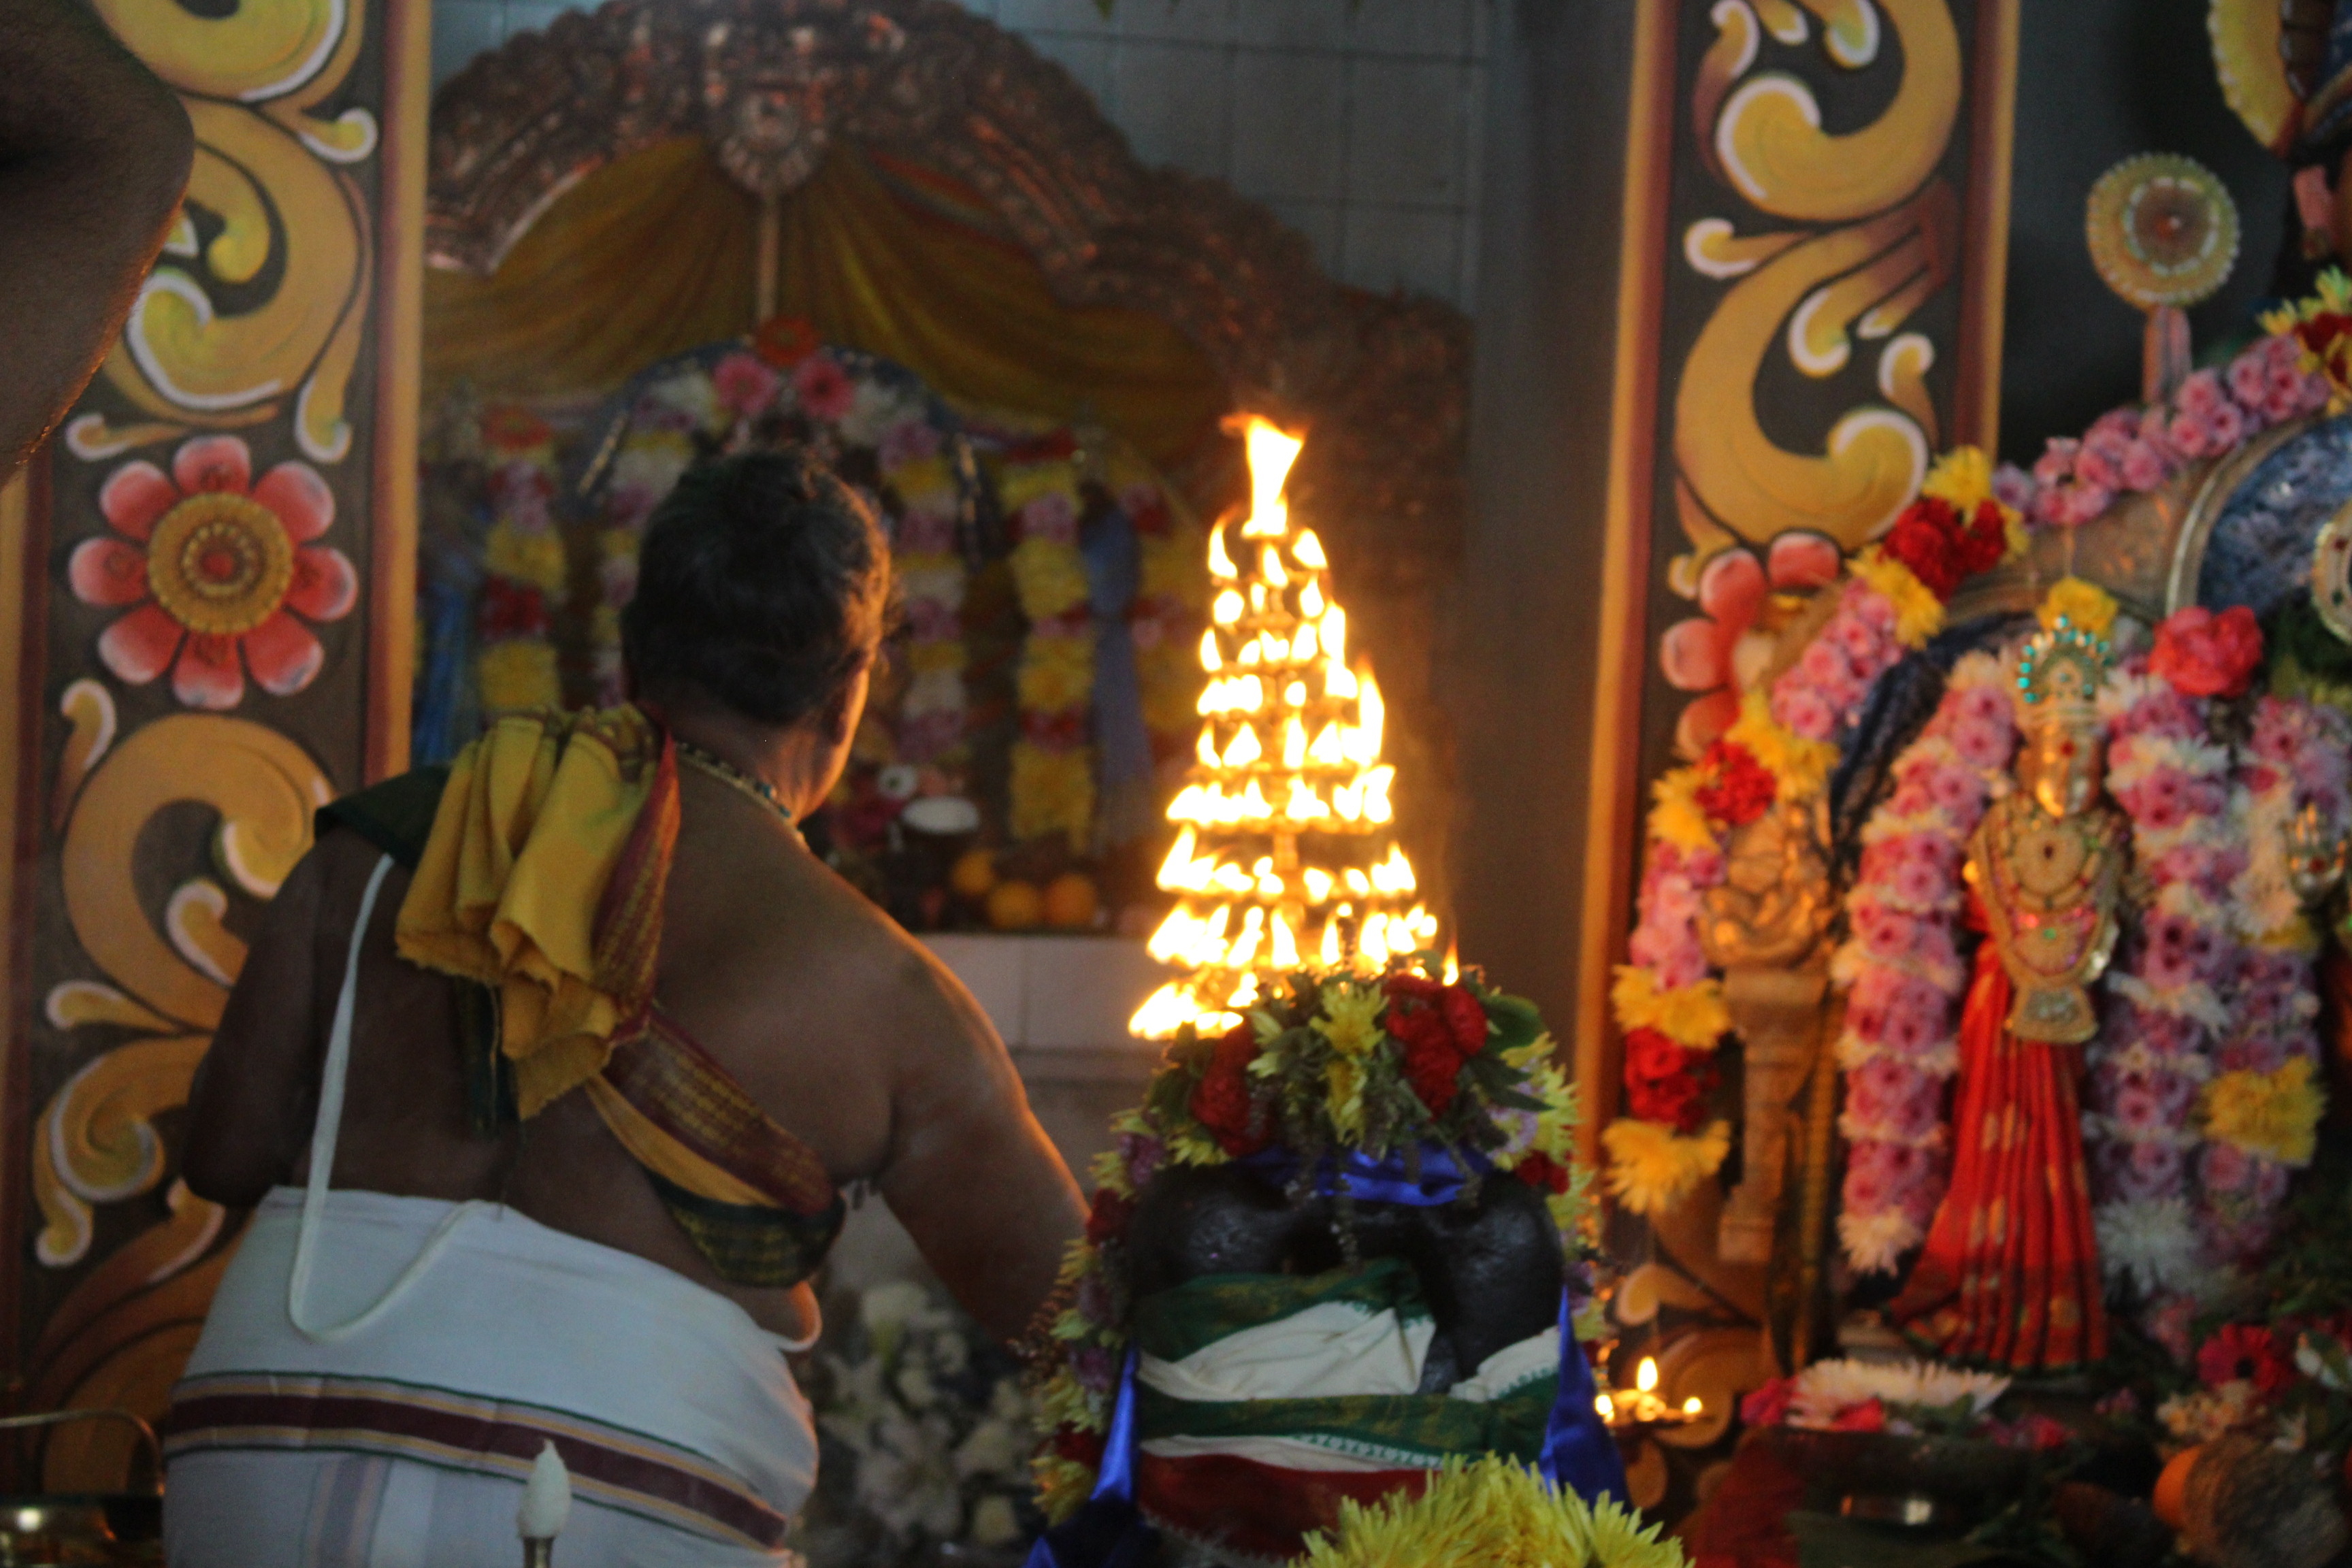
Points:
point(545, 1077)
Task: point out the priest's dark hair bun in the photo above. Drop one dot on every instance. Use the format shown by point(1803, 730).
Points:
point(763, 583)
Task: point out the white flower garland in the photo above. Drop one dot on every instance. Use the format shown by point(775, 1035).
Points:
point(2152, 1054)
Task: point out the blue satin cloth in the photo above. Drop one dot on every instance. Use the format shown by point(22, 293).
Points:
point(1578, 1454)
point(1387, 1180)
point(1106, 1532)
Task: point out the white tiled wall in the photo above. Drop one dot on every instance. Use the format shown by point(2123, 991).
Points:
point(1357, 120)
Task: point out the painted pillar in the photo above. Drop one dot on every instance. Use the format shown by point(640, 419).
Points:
point(211, 639)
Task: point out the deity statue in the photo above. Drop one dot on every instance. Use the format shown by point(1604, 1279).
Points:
point(1762, 927)
point(2010, 1271)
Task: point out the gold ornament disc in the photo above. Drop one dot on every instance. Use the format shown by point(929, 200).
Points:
point(220, 563)
point(2162, 230)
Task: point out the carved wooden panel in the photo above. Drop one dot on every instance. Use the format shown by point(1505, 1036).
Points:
point(211, 634)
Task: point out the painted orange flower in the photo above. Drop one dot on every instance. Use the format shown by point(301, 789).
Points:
point(220, 573)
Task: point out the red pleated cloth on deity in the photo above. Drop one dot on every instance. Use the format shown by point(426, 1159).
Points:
point(2010, 1274)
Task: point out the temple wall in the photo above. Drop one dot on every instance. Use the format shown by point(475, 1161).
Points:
point(1360, 126)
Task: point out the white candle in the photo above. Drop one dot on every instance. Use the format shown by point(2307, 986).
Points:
point(546, 1498)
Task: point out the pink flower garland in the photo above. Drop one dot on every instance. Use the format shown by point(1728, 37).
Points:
point(2135, 450)
point(2295, 757)
point(1903, 970)
point(1821, 692)
point(2151, 1055)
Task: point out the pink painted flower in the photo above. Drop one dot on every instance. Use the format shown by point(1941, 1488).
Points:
point(219, 573)
point(746, 385)
point(823, 388)
point(1695, 655)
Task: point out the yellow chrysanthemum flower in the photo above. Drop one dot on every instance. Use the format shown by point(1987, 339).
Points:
point(1022, 483)
point(1651, 1166)
point(1693, 1016)
point(1052, 792)
point(2274, 1114)
point(1798, 766)
point(1062, 1485)
point(923, 476)
point(1962, 476)
point(534, 558)
point(935, 658)
point(1350, 1018)
point(1049, 578)
point(2084, 604)
point(1343, 1083)
point(1918, 614)
point(1056, 674)
point(1676, 819)
point(1490, 1512)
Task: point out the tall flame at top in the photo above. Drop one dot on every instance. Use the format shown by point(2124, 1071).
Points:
point(1282, 859)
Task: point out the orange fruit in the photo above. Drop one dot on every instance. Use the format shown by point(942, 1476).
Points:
point(1014, 906)
point(973, 874)
point(2171, 1498)
point(1071, 902)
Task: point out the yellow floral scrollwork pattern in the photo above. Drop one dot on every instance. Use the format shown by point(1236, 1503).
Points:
point(120, 1336)
point(261, 298)
point(1861, 231)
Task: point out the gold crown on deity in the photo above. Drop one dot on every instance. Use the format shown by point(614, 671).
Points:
point(2058, 672)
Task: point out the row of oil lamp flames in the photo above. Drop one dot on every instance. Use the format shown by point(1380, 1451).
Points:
point(1236, 923)
point(1639, 1406)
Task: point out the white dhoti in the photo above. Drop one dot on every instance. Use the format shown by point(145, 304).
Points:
point(376, 1393)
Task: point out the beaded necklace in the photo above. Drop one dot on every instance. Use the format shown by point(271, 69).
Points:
point(736, 779)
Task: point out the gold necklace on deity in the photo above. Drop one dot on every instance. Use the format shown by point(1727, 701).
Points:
point(736, 779)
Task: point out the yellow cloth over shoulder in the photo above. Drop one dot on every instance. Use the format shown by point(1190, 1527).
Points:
point(542, 878)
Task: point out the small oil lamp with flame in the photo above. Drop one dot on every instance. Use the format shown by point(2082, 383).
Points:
point(1639, 1409)
point(1283, 858)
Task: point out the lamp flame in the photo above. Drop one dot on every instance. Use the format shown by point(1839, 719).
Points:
point(1281, 857)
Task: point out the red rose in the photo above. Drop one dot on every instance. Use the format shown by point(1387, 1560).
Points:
point(1922, 539)
point(1540, 1170)
point(1665, 1083)
point(1106, 1221)
point(1650, 1056)
point(2206, 655)
point(1408, 987)
point(1431, 1064)
point(1982, 545)
point(1220, 1101)
point(1738, 789)
point(1465, 1019)
point(1676, 1102)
